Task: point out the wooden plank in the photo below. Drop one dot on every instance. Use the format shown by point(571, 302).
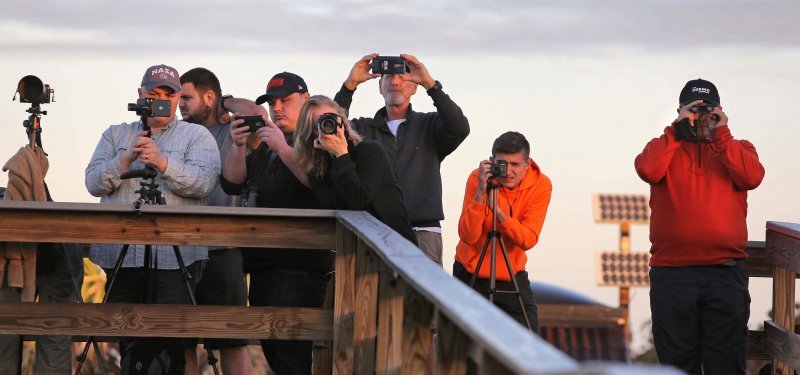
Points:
point(165, 225)
point(783, 251)
point(322, 352)
point(451, 348)
point(344, 301)
point(491, 366)
point(612, 368)
point(782, 307)
point(366, 310)
point(757, 265)
point(487, 326)
point(788, 229)
point(574, 316)
point(783, 345)
point(417, 334)
point(137, 320)
point(390, 323)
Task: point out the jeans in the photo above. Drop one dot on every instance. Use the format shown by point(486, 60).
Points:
point(288, 288)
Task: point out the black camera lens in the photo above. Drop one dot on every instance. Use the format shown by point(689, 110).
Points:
point(328, 122)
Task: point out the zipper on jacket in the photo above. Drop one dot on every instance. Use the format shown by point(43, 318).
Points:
point(699, 155)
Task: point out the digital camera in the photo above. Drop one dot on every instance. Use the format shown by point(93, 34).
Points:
point(253, 123)
point(389, 65)
point(328, 123)
point(32, 90)
point(499, 169)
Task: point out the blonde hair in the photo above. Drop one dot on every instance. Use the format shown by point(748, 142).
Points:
point(311, 160)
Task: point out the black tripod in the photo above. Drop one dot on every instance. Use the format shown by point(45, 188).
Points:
point(494, 237)
point(148, 194)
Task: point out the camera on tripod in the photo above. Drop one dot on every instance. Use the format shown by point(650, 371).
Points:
point(32, 90)
point(149, 107)
point(499, 169)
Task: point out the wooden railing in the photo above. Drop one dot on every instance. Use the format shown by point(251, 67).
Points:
point(389, 298)
point(778, 258)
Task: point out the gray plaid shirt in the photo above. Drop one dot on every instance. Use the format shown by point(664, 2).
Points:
point(192, 171)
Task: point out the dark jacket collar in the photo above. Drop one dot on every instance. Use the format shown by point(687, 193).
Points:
point(380, 117)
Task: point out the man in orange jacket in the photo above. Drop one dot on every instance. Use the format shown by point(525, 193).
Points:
point(699, 177)
point(523, 197)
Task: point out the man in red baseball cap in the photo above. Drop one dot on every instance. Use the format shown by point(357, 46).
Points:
point(286, 277)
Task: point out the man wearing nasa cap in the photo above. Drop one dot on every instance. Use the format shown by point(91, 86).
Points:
point(187, 160)
point(267, 176)
point(699, 180)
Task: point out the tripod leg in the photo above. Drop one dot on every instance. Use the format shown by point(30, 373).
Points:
point(480, 262)
point(109, 285)
point(516, 286)
point(212, 360)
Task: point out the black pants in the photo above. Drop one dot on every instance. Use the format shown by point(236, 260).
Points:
point(507, 302)
point(700, 316)
point(288, 288)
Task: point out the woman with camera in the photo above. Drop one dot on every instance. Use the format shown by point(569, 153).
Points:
point(345, 171)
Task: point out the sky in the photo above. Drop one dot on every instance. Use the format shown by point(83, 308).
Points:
point(589, 83)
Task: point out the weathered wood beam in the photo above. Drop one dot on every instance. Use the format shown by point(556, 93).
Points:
point(486, 326)
point(166, 225)
point(137, 320)
point(782, 344)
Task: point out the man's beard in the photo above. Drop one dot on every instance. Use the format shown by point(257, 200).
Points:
point(393, 98)
point(200, 116)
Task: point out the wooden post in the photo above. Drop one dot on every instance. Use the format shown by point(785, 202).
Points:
point(344, 301)
point(366, 309)
point(417, 334)
point(451, 357)
point(390, 322)
point(783, 308)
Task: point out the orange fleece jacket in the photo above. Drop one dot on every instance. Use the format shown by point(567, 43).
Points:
point(520, 232)
point(698, 197)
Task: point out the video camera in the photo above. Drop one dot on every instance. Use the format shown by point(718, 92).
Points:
point(149, 107)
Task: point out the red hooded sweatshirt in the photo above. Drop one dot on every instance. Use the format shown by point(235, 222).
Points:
point(527, 202)
point(698, 197)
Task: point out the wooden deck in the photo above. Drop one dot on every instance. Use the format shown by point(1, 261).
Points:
point(387, 297)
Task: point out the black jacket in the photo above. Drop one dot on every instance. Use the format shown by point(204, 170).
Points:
point(277, 187)
point(416, 154)
point(362, 180)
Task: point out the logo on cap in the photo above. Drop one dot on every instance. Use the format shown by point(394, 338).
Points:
point(163, 73)
point(275, 82)
point(702, 90)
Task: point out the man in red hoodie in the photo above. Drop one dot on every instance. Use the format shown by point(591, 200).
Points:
point(699, 177)
point(523, 197)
